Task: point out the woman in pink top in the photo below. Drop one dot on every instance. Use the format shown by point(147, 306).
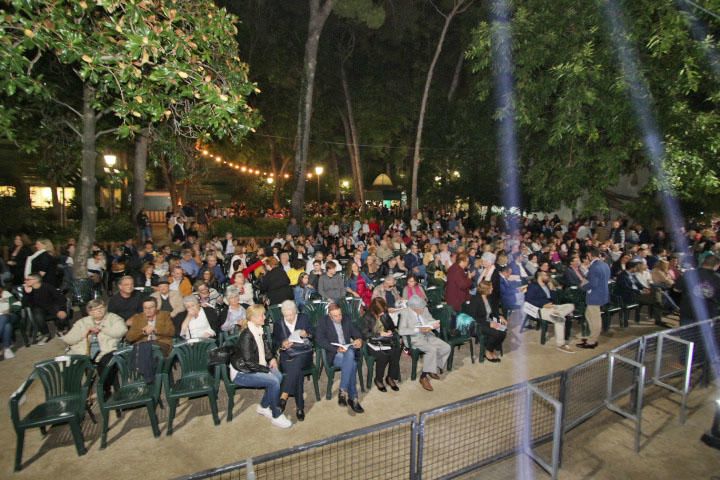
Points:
point(413, 288)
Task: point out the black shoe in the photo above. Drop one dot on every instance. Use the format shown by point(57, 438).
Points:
point(342, 399)
point(355, 406)
point(588, 345)
point(380, 385)
point(392, 384)
point(281, 404)
point(440, 370)
point(300, 414)
point(582, 343)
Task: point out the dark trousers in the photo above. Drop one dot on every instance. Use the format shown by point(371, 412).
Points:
point(387, 358)
point(493, 338)
point(651, 300)
point(101, 364)
point(293, 380)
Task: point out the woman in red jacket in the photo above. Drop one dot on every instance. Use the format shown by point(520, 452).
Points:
point(457, 288)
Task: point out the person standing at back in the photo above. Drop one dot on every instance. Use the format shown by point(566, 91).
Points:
point(598, 294)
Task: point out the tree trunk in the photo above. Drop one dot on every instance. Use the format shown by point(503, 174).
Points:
point(139, 168)
point(318, 15)
point(457, 8)
point(351, 153)
point(355, 140)
point(456, 76)
point(335, 174)
point(169, 181)
point(277, 175)
point(186, 191)
point(55, 202)
point(89, 209)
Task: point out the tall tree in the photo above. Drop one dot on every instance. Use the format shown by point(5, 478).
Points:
point(113, 48)
point(363, 10)
point(458, 7)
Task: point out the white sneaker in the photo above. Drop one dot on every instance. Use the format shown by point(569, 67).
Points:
point(566, 349)
point(43, 340)
point(265, 412)
point(9, 354)
point(282, 421)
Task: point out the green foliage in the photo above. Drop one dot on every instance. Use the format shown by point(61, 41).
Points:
point(576, 130)
point(149, 60)
point(37, 223)
point(116, 229)
point(249, 227)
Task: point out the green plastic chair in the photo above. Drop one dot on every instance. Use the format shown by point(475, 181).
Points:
point(444, 314)
point(330, 370)
point(130, 391)
point(414, 357)
point(66, 380)
point(274, 315)
point(575, 296)
point(435, 295)
point(195, 381)
point(315, 310)
point(350, 307)
point(611, 309)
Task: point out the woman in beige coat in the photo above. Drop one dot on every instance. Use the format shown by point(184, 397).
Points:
point(96, 336)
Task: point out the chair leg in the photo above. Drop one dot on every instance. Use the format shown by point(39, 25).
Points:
point(330, 377)
point(543, 332)
point(450, 359)
point(213, 407)
point(413, 368)
point(19, 449)
point(472, 351)
point(43, 430)
point(360, 375)
point(481, 348)
point(153, 419)
point(78, 437)
point(370, 373)
point(316, 384)
point(231, 405)
point(105, 427)
point(172, 405)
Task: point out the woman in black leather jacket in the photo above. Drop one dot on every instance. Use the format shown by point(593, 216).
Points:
point(252, 365)
point(378, 331)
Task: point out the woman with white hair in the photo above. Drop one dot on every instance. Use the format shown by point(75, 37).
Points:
point(233, 316)
point(489, 273)
point(291, 338)
point(196, 321)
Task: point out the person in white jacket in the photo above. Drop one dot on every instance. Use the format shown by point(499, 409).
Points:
point(97, 336)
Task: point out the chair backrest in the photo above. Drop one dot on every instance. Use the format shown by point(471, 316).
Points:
point(350, 307)
point(315, 310)
point(443, 313)
point(192, 355)
point(64, 375)
point(122, 360)
point(531, 310)
point(274, 314)
point(232, 340)
point(434, 295)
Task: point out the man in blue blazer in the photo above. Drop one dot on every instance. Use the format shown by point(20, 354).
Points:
point(598, 294)
point(333, 328)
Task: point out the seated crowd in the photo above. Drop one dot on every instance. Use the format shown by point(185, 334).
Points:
point(396, 275)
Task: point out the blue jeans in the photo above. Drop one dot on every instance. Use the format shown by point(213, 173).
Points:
point(348, 369)
point(269, 381)
point(6, 330)
point(146, 233)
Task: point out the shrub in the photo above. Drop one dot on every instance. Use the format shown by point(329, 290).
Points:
point(249, 227)
point(115, 229)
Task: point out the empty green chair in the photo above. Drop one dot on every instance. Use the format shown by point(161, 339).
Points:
point(66, 380)
point(443, 312)
point(130, 390)
point(195, 380)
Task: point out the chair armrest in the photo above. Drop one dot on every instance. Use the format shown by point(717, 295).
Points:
point(16, 396)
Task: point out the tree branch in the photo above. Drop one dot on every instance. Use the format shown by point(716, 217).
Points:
point(73, 110)
point(72, 127)
point(103, 132)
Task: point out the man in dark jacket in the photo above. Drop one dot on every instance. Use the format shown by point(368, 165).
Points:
point(341, 341)
point(45, 303)
point(128, 301)
point(275, 283)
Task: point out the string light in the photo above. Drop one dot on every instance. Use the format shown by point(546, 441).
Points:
point(205, 152)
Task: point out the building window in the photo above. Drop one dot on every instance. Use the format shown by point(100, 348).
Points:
point(7, 191)
point(41, 197)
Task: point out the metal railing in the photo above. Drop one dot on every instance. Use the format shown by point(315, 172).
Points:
point(455, 439)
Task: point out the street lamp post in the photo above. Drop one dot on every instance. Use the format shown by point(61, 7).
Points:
point(318, 171)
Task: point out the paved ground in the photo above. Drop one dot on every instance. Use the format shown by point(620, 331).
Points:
point(601, 448)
